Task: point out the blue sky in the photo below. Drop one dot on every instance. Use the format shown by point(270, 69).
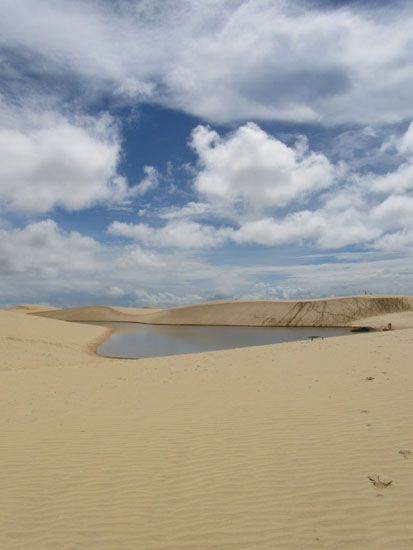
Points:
point(168, 152)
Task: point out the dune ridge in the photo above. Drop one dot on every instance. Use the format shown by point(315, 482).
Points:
point(97, 313)
point(31, 308)
point(328, 312)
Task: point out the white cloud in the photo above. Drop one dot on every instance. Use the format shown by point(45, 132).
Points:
point(225, 60)
point(405, 144)
point(394, 212)
point(159, 299)
point(401, 241)
point(134, 257)
point(48, 160)
point(268, 291)
point(244, 178)
point(178, 234)
point(42, 249)
point(42, 262)
point(398, 181)
point(189, 210)
point(315, 228)
point(253, 167)
point(149, 182)
point(267, 231)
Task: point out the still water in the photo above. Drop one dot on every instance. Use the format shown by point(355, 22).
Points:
point(133, 340)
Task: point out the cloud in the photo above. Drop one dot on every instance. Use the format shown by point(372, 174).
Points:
point(149, 182)
point(259, 191)
point(48, 160)
point(405, 144)
point(268, 291)
point(52, 160)
point(400, 241)
point(397, 181)
point(222, 61)
point(134, 257)
point(394, 212)
point(41, 262)
point(42, 249)
point(161, 298)
point(178, 234)
point(251, 166)
point(317, 228)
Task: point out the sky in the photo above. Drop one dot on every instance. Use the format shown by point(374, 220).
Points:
point(166, 152)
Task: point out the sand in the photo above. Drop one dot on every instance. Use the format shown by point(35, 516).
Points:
point(323, 312)
point(259, 448)
point(31, 308)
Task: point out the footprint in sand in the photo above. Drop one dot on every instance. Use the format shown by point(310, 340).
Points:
point(405, 453)
point(379, 483)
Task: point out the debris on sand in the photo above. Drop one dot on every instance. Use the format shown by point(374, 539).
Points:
point(378, 483)
point(405, 452)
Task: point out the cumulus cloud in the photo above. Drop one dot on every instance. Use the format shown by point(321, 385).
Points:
point(245, 181)
point(298, 62)
point(394, 212)
point(48, 160)
point(43, 249)
point(43, 262)
point(178, 234)
point(316, 228)
point(228, 61)
point(253, 167)
point(397, 181)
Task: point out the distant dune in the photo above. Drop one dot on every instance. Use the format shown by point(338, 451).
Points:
point(327, 312)
point(98, 313)
point(31, 308)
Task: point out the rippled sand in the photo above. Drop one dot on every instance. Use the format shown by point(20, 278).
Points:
point(258, 448)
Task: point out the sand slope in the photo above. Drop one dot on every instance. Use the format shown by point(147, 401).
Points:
point(260, 448)
point(98, 313)
point(29, 341)
point(31, 308)
point(325, 312)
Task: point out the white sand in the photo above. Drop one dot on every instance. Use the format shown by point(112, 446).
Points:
point(323, 312)
point(258, 448)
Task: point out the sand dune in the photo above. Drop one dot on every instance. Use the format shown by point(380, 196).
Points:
point(99, 313)
point(324, 312)
point(29, 341)
point(31, 308)
point(261, 448)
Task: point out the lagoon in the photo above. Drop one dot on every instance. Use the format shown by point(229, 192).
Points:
point(135, 340)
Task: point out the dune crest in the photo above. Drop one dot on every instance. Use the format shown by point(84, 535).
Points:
point(328, 312)
point(31, 308)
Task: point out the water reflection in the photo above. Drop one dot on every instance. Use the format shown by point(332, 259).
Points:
point(133, 340)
